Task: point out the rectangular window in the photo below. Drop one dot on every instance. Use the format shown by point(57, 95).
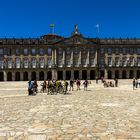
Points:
point(109, 61)
point(49, 51)
point(17, 62)
point(116, 51)
point(109, 51)
point(33, 51)
point(124, 51)
point(131, 51)
point(25, 51)
point(138, 51)
point(9, 51)
point(17, 51)
point(41, 51)
point(102, 51)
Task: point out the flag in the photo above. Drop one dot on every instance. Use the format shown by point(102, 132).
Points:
point(51, 25)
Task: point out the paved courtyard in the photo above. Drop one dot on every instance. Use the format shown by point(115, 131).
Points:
point(97, 114)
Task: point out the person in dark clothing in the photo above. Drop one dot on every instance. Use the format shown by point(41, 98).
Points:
point(30, 88)
point(134, 83)
point(71, 85)
point(116, 82)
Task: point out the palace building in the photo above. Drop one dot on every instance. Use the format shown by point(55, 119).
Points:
point(54, 57)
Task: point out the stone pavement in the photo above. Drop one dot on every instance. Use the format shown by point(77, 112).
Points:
point(97, 114)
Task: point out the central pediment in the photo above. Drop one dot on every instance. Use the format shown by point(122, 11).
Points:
point(76, 40)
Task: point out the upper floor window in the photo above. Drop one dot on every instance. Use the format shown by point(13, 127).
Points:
point(131, 51)
point(109, 50)
point(138, 50)
point(41, 51)
point(102, 51)
point(17, 51)
point(116, 50)
point(124, 51)
point(1, 52)
point(49, 51)
point(33, 51)
point(25, 51)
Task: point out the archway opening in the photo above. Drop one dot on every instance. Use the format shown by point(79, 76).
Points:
point(109, 73)
point(84, 74)
point(1, 76)
point(33, 75)
point(138, 73)
point(123, 74)
point(60, 75)
point(49, 75)
point(102, 73)
point(41, 75)
point(25, 76)
point(117, 74)
point(76, 74)
point(92, 74)
point(17, 76)
point(131, 74)
point(9, 76)
point(68, 75)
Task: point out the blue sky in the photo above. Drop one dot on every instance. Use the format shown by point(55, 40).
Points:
point(31, 18)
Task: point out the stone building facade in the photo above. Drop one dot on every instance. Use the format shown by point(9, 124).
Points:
point(77, 57)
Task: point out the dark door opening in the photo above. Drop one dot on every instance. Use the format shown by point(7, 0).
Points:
point(33, 76)
point(60, 75)
point(102, 73)
point(1, 76)
point(49, 75)
point(25, 76)
point(117, 74)
point(109, 74)
point(68, 75)
point(9, 76)
point(123, 74)
point(138, 73)
point(17, 76)
point(76, 74)
point(84, 74)
point(92, 74)
point(131, 74)
point(41, 75)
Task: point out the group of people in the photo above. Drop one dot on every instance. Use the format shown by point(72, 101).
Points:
point(110, 83)
point(56, 86)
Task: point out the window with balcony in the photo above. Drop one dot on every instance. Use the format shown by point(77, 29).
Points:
point(49, 62)
point(116, 61)
point(102, 51)
point(109, 61)
point(132, 61)
point(34, 62)
point(124, 61)
point(17, 62)
point(9, 63)
point(26, 62)
point(124, 51)
point(42, 62)
point(68, 51)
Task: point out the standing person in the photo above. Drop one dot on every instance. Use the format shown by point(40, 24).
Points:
point(30, 88)
point(116, 82)
point(71, 84)
point(35, 85)
point(43, 86)
point(78, 84)
point(134, 83)
point(85, 85)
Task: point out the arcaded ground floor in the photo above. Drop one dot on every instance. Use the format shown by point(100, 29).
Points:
point(67, 74)
point(97, 114)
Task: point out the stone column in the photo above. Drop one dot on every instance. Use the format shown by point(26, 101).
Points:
point(37, 75)
point(113, 74)
point(87, 59)
point(55, 55)
point(105, 75)
point(120, 74)
point(64, 75)
point(135, 73)
point(29, 75)
point(71, 57)
point(88, 74)
point(5, 75)
point(54, 74)
point(21, 76)
point(13, 76)
point(63, 57)
point(79, 58)
point(127, 74)
point(72, 74)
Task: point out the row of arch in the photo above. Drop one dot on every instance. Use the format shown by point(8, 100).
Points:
point(68, 75)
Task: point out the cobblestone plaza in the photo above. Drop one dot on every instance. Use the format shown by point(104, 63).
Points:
point(97, 114)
